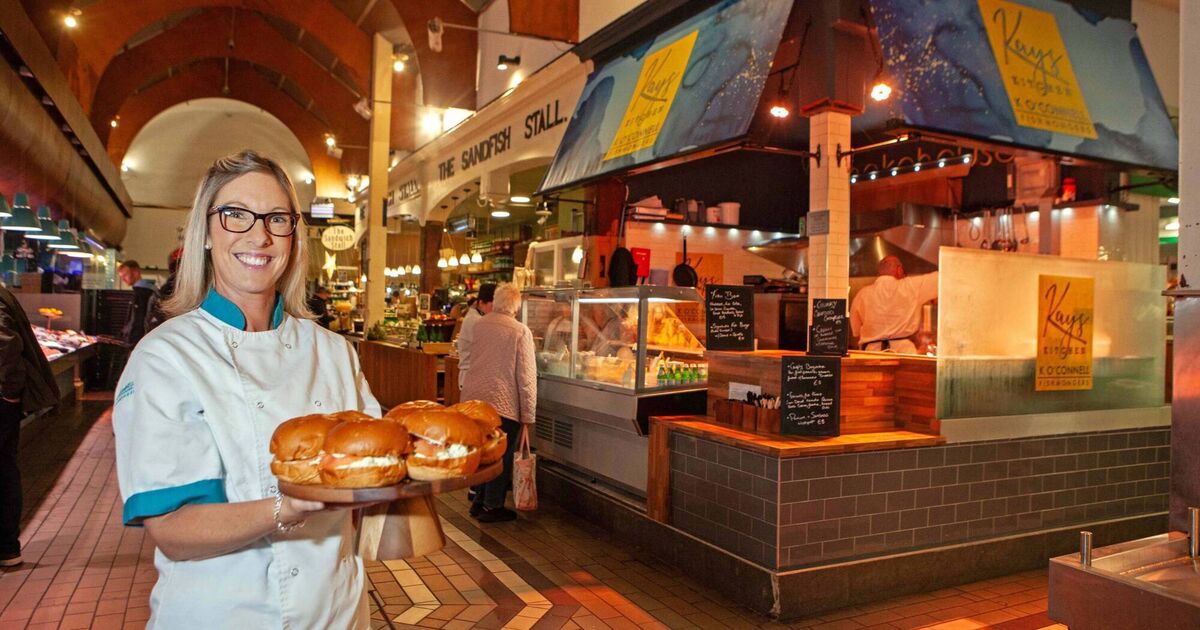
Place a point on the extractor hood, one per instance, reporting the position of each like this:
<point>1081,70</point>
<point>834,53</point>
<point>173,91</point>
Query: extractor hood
<point>910,232</point>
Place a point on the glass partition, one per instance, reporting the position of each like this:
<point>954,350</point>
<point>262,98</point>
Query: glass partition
<point>988,326</point>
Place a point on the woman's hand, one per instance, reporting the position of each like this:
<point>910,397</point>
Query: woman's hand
<point>292,510</point>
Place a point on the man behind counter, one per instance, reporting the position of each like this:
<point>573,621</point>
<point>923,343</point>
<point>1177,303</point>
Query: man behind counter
<point>885,314</point>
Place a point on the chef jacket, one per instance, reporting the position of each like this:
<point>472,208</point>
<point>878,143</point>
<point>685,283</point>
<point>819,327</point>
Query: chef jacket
<point>193,417</point>
<point>890,309</point>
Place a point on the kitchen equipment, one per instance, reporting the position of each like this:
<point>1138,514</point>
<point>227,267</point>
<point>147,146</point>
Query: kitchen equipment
<point>713,215</point>
<point>730,212</point>
<point>622,271</point>
<point>684,274</point>
<point>781,321</point>
<point>987,230</point>
<point>1025,224</point>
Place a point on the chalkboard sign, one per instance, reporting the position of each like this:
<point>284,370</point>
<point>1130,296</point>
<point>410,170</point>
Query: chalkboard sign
<point>811,396</point>
<point>830,330</point>
<point>729,317</point>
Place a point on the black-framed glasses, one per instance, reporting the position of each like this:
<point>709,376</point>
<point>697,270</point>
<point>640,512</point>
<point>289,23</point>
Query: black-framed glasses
<point>240,220</point>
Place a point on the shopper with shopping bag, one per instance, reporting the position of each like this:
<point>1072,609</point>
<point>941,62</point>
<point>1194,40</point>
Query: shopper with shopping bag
<point>524,474</point>
<point>503,372</point>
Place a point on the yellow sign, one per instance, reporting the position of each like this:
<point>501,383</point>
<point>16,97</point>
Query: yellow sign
<point>1065,318</point>
<point>1035,68</point>
<point>662,72</point>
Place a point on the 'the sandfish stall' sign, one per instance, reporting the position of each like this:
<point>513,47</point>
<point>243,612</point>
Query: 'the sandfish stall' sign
<point>1065,319</point>
<point>1035,68</point>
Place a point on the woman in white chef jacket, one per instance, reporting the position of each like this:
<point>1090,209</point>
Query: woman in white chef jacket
<point>197,404</point>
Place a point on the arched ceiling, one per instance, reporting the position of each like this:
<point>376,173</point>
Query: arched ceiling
<point>247,84</point>
<point>217,33</point>
<point>305,61</point>
<point>172,151</point>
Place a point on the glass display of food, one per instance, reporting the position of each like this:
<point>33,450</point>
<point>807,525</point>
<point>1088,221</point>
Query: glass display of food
<point>633,338</point>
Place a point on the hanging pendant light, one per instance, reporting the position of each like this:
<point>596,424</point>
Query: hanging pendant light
<point>84,251</point>
<point>49,231</point>
<point>451,261</point>
<point>442,264</point>
<point>5,209</point>
<point>416,270</point>
<point>476,258</point>
<point>67,241</point>
<point>23,218</point>
<point>464,259</point>
<point>400,271</point>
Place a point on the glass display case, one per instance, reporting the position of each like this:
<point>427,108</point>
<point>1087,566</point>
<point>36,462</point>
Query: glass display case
<point>632,339</point>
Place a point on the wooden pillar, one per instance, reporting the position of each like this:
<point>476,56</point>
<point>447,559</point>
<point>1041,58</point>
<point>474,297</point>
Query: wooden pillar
<point>377,170</point>
<point>828,192</point>
<point>431,240</point>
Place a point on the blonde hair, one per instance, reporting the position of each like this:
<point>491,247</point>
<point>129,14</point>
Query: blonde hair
<point>195,275</point>
<point>507,299</point>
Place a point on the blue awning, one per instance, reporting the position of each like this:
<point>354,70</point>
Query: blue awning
<point>693,86</point>
<point>1039,74</point>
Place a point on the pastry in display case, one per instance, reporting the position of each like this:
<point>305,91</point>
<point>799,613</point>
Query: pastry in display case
<point>631,338</point>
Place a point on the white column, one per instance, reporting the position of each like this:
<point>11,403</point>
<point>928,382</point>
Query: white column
<point>829,189</point>
<point>1189,143</point>
<point>377,159</point>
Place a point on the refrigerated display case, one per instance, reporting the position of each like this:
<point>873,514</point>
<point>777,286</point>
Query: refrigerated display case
<point>607,360</point>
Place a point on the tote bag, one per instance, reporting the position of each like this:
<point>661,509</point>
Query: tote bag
<point>524,474</point>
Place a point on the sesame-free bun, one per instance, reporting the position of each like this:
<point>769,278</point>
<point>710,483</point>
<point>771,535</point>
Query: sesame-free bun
<point>494,440</point>
<point>364,454</point>
<point>443,426</point>
<point>350,416</point>
<point>296,445</point>
<point>481,412</point>
<point>404,409</point>
<point>446,444</point>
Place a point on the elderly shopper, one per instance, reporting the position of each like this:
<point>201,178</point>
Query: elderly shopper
<point>503,372</point>
<point>196,407</point>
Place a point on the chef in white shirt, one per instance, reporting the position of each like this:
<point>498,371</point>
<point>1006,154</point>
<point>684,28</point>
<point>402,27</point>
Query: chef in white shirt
<point>887,313</point>
<point>466,336</point>
<point>196,407</point>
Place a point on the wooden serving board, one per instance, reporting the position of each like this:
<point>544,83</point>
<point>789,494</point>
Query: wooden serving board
<point>408,490</point>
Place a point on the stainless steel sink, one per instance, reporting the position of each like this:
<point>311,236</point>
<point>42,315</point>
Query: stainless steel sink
<point>1149,583</point>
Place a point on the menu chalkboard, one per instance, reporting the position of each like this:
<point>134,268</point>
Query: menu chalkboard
<point>830,330</point>
<point>729,317</point>
<point>811,396</point>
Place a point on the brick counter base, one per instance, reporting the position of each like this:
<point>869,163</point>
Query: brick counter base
<point>793,512</point>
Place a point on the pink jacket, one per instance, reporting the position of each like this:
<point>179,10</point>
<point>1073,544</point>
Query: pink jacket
<point>503,368</point>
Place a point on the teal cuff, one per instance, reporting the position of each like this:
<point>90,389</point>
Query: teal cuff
<point>153,503</point>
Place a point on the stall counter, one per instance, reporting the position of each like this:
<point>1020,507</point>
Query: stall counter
<point>398,374</point>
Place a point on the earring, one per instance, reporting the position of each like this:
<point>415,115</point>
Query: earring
<point>208,246</point>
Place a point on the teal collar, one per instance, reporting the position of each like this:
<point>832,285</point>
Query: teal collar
<point>220,307</point>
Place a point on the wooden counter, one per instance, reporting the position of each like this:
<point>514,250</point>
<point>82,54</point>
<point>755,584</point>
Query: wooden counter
<point>881,391</point>
<point>450,390</point>
<point>658,479</point>
<point>398,374</point>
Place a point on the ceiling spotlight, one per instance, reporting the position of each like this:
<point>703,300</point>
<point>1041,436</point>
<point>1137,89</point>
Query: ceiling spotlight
<point>871,175</point>
<point>966,159</point>
<point>916,168</point>
<point>1173,201</point>
<point>895,172</point>
<point>431,122</point>
<point>500,213</point>
<point>941,163</point>
<point>114,122</point>
<point>398,62</point>
<point>519,199</point>
<point>854,179</point>
<point>330,140</point>
<point>779,111</point>
<point>881,90</point>
<point>71,20</point>
<point>126,166</point>
<point>352,182</point>
<point>308,179</point>
<point>505,62</point>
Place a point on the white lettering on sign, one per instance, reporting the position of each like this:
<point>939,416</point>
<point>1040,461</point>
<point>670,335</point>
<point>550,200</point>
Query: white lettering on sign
<point>337,238</point>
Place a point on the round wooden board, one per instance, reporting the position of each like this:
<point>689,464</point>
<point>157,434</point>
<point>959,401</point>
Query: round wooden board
<point>408,490</point>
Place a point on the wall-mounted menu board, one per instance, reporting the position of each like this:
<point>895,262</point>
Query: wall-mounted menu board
<point>810,396</point>
<point>830,330</point>
<point>729,317</point>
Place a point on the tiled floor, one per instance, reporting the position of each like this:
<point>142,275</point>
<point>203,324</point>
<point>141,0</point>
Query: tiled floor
<point>546,570</point>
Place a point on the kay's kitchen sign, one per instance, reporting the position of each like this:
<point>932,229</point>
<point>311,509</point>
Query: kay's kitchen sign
<point>532,124</point>
<point>1065,318</point>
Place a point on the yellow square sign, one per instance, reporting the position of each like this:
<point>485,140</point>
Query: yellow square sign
<point>1065,317</point>
<point>1036,70</point>
<point>659,80</point>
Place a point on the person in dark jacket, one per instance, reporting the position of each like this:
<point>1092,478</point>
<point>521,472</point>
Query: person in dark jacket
<point>26,386</point>
<point>135,327</point>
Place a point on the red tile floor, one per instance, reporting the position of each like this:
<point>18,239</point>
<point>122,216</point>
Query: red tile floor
<point>546,570</point>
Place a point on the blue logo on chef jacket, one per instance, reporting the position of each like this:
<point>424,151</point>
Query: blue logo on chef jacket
<point>125,392</point>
